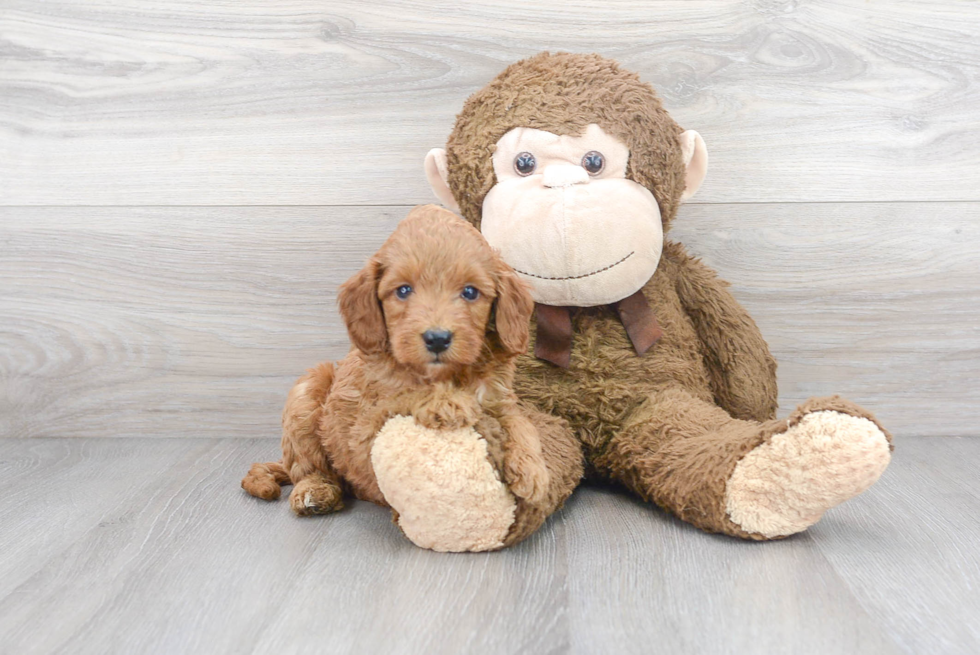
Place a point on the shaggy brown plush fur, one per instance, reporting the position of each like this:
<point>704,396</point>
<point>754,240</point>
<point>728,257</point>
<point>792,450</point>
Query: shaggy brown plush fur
<point>562,94</point>
<point>333,412</point>
<point>671,425</point>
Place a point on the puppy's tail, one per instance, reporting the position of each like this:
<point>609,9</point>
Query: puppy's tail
<point>264,480</point>
<point>300,419</point>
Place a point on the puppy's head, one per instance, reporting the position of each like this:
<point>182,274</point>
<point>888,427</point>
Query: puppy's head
<point>436,297</point>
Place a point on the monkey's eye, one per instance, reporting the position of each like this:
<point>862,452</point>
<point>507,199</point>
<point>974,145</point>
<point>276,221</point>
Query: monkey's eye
<point>403,292</point>
<point>524,164</point>
<point>470,293</point>
<point>593,162</point>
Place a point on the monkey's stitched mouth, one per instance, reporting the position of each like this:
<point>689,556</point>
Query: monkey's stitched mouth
<point>578,277</point>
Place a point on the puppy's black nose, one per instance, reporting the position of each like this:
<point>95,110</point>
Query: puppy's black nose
<point>436,341</point>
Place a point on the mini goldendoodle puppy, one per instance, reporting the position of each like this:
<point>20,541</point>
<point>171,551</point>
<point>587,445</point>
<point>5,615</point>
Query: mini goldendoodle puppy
<point>436,320</point>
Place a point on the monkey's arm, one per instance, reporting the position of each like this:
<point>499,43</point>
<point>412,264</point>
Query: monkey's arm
<point>741,369</point>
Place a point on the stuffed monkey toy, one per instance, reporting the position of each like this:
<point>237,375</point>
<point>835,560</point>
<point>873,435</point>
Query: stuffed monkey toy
<point>571,167</point>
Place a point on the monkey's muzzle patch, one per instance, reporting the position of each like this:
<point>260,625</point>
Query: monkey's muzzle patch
<point>583,244</point>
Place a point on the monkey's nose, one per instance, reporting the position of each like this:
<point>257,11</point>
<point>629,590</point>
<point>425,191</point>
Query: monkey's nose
<point>437,341</point>
<point>560,175</point>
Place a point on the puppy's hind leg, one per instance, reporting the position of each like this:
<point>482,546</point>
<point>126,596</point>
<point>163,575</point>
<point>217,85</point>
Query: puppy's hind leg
<point>264,480</point>
<point>316,486</point>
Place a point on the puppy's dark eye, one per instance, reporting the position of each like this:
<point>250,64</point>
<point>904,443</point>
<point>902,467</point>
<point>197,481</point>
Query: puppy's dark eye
<point>593,162</point>
<point>470,293</point>
<point>525,163</point>
<point>403,292</point>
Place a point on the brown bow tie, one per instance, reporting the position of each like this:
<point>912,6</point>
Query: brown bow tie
<point>554,338</point>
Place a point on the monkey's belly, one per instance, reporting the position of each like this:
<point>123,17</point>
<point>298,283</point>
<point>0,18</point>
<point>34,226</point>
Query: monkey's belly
<point>607,380</point>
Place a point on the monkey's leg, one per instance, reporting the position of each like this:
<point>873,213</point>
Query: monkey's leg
<point>743,478</point>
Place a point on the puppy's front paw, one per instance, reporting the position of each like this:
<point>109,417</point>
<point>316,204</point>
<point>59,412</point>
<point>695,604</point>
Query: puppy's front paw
<point>527,477</point>
<point>448,413</point>
<point>315,496</point>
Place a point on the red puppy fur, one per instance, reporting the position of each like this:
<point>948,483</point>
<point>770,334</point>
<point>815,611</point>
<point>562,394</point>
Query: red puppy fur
<point>434,275</point>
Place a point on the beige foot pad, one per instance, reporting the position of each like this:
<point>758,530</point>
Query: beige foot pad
<point>784,486</point>
<point>447,494</point>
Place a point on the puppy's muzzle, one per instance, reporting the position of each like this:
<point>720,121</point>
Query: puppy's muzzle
<point>437,341</point>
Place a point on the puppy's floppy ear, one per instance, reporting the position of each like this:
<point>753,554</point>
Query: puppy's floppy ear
<point>512,310</point>
<point>361,309</point>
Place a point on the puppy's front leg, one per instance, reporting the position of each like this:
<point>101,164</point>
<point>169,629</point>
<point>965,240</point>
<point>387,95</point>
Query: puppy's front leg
<point>448,408</point>
<point>524,467</point>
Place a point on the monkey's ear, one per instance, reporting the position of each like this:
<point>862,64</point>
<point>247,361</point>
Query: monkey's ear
<point>512,311</point>
<point>695,161</point>
<point>437,172</point>
<point>361,309</point>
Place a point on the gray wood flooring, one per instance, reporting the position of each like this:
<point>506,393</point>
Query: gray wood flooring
<point>149,546</point>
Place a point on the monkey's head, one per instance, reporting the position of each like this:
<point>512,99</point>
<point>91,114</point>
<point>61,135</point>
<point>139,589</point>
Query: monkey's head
<point>570,167</point>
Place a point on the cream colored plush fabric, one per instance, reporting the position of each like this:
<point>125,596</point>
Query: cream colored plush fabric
<point>545,223</point>
<point>695,155</point>
<point>784,486</point>
<point>549,149</point>
<point>436,173</point>
<point>448,496</point>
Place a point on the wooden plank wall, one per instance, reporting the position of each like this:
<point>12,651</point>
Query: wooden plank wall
<point>184,184</point>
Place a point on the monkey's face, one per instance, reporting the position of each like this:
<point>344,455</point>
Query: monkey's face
<point>565,216</point>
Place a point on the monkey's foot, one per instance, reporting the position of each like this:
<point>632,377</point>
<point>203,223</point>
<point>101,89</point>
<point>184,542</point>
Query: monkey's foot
<point>824,458</point>
<point>446,494</point>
